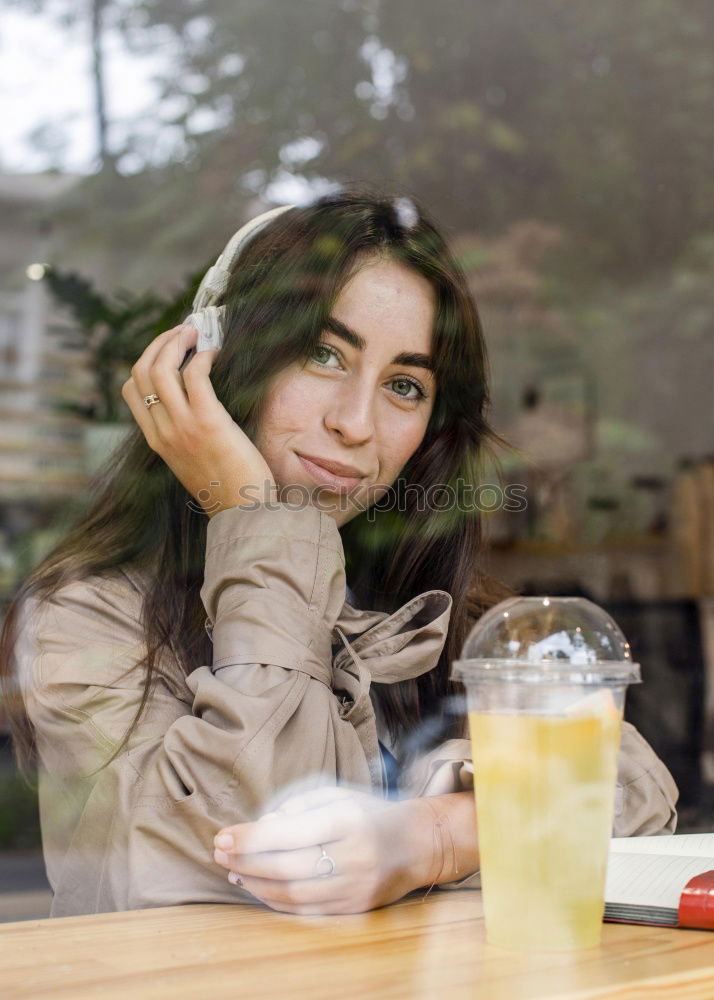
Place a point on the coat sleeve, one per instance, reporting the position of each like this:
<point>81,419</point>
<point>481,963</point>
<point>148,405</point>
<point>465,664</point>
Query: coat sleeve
<point>645,794</point>
<point>138,832</point>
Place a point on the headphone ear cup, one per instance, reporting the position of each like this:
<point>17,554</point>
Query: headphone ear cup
<point>209,323</point>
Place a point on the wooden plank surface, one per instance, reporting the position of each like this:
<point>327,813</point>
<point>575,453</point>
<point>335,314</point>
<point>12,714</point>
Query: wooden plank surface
<point>416,949</point>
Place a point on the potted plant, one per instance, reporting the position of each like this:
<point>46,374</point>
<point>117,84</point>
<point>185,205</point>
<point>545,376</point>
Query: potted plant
<point>112,331</point>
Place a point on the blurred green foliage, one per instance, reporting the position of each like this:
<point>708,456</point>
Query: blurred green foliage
<point>114,330</point>
<point>594,117</point>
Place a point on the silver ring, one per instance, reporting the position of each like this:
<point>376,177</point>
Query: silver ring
<point>324,860</point>
<point>151,399</point>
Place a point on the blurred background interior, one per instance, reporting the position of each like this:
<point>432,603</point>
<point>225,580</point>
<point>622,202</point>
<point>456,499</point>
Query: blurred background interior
<point>562,144</point>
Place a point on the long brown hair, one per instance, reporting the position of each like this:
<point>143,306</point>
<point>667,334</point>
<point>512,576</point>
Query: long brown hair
<point>278,300</point>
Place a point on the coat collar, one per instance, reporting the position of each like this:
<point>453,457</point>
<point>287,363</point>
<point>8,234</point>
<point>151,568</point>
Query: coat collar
<point>398,646</point>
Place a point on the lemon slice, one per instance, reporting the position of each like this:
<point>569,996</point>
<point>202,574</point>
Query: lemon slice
<point>599,703</point>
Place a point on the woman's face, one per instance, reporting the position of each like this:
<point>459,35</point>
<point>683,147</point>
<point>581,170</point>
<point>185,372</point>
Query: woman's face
<point>362,402</point>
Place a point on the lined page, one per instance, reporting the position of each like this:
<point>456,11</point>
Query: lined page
<point>692,845</point>
<point>651,879</point>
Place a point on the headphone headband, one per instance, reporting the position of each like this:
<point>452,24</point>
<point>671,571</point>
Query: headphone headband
<point>206,315</point>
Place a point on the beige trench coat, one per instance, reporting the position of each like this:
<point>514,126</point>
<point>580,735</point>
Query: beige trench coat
<point>287,696</point>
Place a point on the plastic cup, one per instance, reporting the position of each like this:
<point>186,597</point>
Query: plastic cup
<point>545,684</point>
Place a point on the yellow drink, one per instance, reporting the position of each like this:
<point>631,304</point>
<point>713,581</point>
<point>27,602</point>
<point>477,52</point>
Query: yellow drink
<point>545,789</point>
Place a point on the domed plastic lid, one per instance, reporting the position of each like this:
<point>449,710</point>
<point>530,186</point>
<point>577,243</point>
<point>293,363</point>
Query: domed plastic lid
<point>550,639</point>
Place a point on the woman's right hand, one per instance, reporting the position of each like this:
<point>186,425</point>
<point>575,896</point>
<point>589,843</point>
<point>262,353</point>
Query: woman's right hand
<point>191,430</point>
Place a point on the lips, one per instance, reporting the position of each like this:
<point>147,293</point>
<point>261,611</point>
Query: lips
<point>329,474</point>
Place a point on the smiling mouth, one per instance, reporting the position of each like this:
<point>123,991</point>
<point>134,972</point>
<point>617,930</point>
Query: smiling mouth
<point>326,478</point>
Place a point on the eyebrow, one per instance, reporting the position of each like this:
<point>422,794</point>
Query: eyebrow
<point>359,343</point>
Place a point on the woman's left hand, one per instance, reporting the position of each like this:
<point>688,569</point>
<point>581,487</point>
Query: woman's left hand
<point>378,849</point>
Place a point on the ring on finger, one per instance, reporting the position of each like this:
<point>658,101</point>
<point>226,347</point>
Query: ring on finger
<point>151,399</point>
<point>325,865</point>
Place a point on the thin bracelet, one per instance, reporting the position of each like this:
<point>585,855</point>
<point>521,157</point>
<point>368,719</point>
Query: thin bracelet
<point>439,822</point>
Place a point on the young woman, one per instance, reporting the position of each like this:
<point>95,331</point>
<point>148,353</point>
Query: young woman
<point>214,715</point>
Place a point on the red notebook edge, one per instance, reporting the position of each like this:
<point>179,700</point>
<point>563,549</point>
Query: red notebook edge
<point>696,904</point>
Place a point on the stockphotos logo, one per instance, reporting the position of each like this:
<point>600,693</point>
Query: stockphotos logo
<point>486,498</point>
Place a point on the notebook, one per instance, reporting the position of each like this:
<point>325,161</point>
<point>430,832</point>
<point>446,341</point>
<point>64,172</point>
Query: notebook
<point>666,880</point>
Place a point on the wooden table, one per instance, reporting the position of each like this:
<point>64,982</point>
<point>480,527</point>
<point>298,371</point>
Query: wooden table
<point>416,949</point>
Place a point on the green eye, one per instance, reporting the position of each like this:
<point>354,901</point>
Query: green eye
<point>410,385</point>
<point>326,354</point>
<point>322,354</point>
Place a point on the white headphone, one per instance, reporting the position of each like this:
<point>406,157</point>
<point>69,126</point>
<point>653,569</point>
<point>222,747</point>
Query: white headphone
<point>207,317</point>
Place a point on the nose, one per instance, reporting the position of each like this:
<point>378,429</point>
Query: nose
<point>350,414</point>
